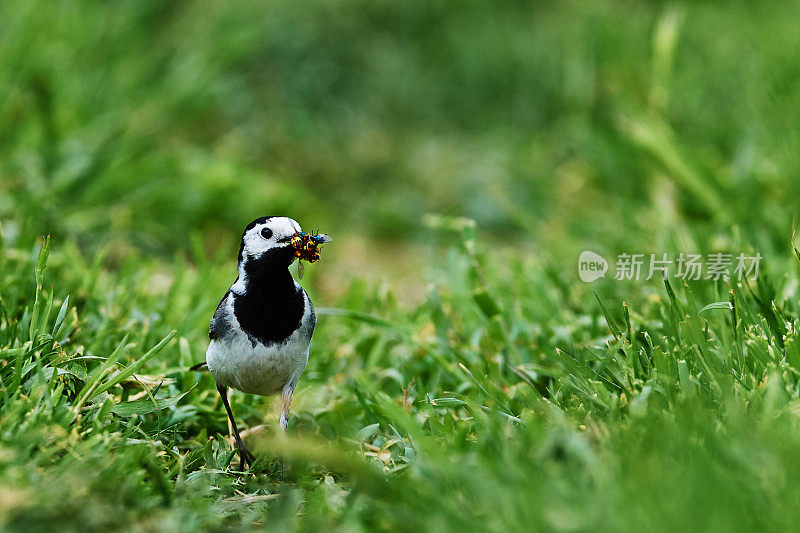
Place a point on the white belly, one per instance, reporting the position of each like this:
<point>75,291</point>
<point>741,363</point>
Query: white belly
<point>261,370</point>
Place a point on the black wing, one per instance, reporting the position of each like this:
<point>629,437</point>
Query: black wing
<point>313,319</point>
<point>219,322</point>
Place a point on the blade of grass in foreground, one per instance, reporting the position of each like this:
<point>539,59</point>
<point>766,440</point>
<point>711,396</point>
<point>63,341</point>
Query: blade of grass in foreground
<point>362,317</point>
<point>129,371</point>
<point>143,407</point>
<point>98,372</point>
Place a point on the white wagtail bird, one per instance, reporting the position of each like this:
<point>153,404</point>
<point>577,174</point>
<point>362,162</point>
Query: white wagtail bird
<point>262,327</point>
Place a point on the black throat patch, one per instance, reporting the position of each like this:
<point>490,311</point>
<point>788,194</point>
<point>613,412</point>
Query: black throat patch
<point>271,307</point>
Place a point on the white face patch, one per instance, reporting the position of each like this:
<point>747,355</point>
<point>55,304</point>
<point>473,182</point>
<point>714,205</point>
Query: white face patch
<point>257,240</point>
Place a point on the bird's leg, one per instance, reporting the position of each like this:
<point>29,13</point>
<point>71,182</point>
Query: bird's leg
<point>286,403</point>
<point>244,454</point>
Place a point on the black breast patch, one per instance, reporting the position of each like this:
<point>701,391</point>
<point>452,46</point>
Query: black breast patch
<point>269,318</point>
<point>272,306</point>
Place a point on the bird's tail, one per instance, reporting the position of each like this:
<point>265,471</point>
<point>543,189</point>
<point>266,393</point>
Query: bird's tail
<point>200,366</point>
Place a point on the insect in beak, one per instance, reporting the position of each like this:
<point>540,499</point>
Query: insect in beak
<point>321,238</point>
<point>306,247</point>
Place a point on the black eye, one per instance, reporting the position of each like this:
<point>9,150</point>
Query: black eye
<point>266,233</point>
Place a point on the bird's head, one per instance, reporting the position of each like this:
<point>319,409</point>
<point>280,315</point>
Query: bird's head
<point>277,241</point>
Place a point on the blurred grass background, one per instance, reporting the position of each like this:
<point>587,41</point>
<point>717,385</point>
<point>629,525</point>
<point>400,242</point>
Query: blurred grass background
<point>147,121</point>
<point>142,136</point>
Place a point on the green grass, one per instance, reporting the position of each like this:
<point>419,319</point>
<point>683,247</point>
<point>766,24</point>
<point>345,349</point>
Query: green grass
<point>503,400</point>
<point>489,388</point>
